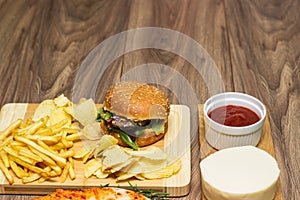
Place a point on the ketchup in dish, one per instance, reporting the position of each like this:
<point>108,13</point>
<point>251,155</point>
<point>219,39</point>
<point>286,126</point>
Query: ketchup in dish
<point>232,115</point>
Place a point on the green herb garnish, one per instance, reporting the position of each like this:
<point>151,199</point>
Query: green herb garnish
<point>101,114</point>
<point>149,193</point>
<point>125,138</point>
<point>98,119</point>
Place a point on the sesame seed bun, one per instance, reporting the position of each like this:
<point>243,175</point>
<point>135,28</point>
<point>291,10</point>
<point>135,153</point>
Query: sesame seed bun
<point>137,102</point>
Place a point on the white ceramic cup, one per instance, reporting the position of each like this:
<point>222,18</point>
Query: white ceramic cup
<point>220,136</point>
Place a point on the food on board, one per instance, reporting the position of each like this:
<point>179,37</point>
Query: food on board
<point>106,193</point>
<point>135,113</point>
<point>233,115</point>
<point>245,172</point>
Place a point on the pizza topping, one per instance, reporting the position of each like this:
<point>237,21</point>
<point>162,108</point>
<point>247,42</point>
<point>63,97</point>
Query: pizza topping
<point>106,193</point>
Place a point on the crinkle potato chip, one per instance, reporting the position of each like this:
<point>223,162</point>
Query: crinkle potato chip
<point>150,163</point>
<point>164,172</point>
<point>91,167</point>
<point>100,174</point>
<point>58,115</point>
<point>105,142</point>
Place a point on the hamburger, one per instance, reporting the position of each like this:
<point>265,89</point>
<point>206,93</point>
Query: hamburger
<point>134,113</point>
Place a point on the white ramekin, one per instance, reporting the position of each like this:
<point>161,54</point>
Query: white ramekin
<point>220,136</point>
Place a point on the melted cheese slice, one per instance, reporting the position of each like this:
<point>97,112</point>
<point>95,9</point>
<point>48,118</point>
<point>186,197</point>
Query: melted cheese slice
<point>247,173</point>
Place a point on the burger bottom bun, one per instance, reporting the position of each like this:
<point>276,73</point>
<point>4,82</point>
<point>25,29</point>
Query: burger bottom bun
<point>145,139</point>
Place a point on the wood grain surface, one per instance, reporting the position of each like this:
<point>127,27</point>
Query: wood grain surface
<point>254,44</point>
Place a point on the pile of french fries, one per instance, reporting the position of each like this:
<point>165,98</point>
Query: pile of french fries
<point>33,150</point>
<point>40,148</point>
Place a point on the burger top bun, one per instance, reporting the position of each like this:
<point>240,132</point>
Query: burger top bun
<point>137,101</point>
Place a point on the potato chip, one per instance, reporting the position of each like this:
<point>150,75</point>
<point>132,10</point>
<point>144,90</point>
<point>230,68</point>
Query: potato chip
<point>105,142</point>
<point>166,172</point>
<point>152,152</point>
<point>134,169</point>
<point>57,115</point>
<point>85,112</point>
<point>120,166</point>
<point>114,156</point>
<point>92,131</point>
<point>91,167</point>
<point>100,174</point>
<point>81,153</point>
<point>151,165</point>
<point>44,109</point>
<point>62,101</point>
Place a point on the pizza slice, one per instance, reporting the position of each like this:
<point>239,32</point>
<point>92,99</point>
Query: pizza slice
<point>106,193</point>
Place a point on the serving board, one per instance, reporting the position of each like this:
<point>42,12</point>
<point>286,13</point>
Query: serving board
<point>265,143</point>
<point>176,143</point>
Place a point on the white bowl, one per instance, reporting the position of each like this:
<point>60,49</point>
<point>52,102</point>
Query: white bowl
<point>220,136</point>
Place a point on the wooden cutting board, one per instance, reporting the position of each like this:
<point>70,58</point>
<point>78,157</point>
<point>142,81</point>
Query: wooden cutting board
<point>266,143</point>
<point>176,143</point>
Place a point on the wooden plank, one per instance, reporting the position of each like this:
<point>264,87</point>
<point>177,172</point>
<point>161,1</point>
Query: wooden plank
<point>176,143</point>
<point>266,143</point>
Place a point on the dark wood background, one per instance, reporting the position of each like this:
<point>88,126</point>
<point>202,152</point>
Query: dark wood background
<point>255,44</point>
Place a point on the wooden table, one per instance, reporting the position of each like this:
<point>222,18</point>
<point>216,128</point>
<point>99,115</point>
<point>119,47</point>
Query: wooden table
<point>254,46</point>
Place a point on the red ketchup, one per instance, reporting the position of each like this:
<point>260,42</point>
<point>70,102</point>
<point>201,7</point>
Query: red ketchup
<point>232,115</point>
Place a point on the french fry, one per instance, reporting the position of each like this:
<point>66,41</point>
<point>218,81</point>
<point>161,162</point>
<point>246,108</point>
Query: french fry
<point>6,132</point>
<point>72,174</point>
<point>29,166</point>
<point>63,138</point>
<point>56,169</point>
<point>47,139</point>
<point>30,154</point>
<point>6,173</point>
<point>65,173</point>
<point>4,158</point>
<point>7,140</point>
<point>59,125</point>
<point>45,132</point>
<point>45,146</point>
<point>60,161</point>
<point>73,137</point>
<point>16,143</point>
<point>39,148</point>
<point>31,178</point>
<point>30,128</point>
<point>42,179</point>
<point>67,154</point>
<point>34,127</point>
<point>15,154</point>
<point>70,130</point>
<point>19,172</point>
<point>60,146</point>
<point>45,158</point>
